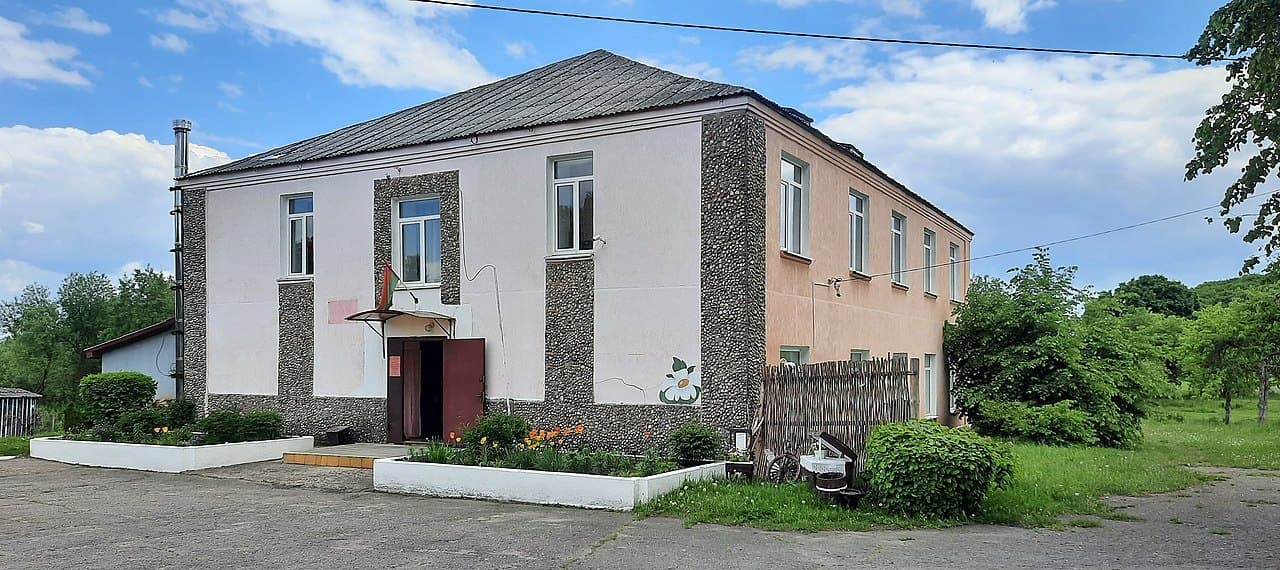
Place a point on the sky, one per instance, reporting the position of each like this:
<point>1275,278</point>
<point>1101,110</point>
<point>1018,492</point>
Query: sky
<point>1021,148</point>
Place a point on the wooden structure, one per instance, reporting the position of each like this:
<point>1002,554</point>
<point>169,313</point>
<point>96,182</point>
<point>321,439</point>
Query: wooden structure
<point>18,414</point>
<point>845,399</point>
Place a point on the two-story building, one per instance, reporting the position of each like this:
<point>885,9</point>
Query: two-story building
<point>595,241</point>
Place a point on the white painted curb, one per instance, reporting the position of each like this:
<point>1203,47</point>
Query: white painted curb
<point>525,486</point>
<point>164,458</point>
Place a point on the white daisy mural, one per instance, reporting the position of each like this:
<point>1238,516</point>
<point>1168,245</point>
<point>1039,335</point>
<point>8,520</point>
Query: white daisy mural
<point>683,385</point>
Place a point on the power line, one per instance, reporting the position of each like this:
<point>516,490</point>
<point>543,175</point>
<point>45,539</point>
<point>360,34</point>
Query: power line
<point>1053,243</point>
<point>716,28</point>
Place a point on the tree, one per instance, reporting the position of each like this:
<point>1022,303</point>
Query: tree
<point>1039,341</point>
<point>142,298</point>
<point>1223,346</point>
<point>1227,290</point>
<point>1158,294</point>
<point>34,354</point>
<point>1248,31</point>
<point>85,301</point>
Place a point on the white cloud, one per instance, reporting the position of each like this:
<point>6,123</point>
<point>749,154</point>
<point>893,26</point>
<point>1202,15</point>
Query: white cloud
<point>912,8</point>
<point>519,49</point>
<point>32,227</point>
<point>101,198</point>
<point>30,60</point>
<point>15,275</point>
<point>1027,149</point>
<point>143,81</point>
<point>230,89</point>
<point>75,19</point>
<point>1009,15</point>
<point>827,61</point>
<point>698,69</point>
<point>201,16</point>
<point>169,41</point>
<point>388,43</point>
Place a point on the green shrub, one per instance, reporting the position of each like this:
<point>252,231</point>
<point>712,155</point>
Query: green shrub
<point>921,468</point>
<point>694,442</point>
<point>105,396</point>
<point>145,420</point>
<point>233,426</point>
<point>182,412</point>
<point>1054,424</point>
<point>503,429</point>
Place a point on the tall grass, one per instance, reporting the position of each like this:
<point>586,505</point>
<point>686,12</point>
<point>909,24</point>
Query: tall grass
<point>1049,483</point>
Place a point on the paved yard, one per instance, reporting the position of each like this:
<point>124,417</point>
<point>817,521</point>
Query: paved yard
<point>59,516</point>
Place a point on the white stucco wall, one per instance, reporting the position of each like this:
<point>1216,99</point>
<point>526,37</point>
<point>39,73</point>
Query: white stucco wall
<point>152,356</point>
<point>647,299</point>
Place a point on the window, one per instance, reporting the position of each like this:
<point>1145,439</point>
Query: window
<point>953,262</point>
<point>898,356</point>
<point>793,206</point>
<point>930,388</point>
<point>930,260</point>
<point>573,202</point>
<point>300,236</point>
<point>859,354</point>
<point>857,232</point>
<point>418,240</point>
<point>899,227</point>
<point>795,354</point>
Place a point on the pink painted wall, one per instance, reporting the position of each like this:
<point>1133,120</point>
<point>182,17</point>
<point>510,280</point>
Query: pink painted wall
<point>870,314</point>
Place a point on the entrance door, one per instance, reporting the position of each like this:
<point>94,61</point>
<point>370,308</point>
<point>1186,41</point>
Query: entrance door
<point>463,383</point>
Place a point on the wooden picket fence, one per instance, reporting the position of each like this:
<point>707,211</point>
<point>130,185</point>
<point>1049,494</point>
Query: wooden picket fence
<point>846,399</point>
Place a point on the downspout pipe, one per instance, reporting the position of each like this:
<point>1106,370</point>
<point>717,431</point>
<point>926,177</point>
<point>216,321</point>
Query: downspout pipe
<point>181,128</point>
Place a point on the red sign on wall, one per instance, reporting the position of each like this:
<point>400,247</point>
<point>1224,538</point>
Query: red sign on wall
<point>393,366</point>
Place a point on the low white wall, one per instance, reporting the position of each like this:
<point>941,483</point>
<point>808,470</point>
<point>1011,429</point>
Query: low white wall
<point>164,458</point>
<point>543,487</point>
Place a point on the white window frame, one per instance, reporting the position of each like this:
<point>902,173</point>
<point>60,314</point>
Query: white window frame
<point>553,209</point>
<point>858,239</point>
<point>902,355</point>
<point>307,219</point>
<point>859,354</point>
<point>802,352</point>
<point>930,260</point>
<point>787,191</point>
<point>397,241</point>
<point>953,253</point>
<point>929,389</point>
<point>898,242</point>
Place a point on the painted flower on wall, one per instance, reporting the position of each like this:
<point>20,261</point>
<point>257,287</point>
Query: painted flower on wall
<point>683,384</point>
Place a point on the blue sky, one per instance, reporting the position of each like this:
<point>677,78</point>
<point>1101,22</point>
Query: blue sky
<point>1021,148</point>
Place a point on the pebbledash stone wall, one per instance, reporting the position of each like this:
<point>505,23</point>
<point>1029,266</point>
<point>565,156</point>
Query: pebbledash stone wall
<point>443,185</point>
<point>733,316</point>
<point>194,295</point>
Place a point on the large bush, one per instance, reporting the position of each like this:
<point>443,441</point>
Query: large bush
<point>502,429</point>
<point>104,397</point>
<point>232,426</point>
<point>1039,340</point>
<point>921,468</point>
<point>694,442</point>
<point>1054,424</point>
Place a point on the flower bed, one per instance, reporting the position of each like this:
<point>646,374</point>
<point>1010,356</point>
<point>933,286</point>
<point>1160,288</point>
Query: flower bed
<point>399,475</point>
<point>164,458</point>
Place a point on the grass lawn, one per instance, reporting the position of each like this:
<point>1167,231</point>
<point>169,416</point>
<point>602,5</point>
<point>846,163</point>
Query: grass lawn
<point>14,445</point>
<point>1050,482</point>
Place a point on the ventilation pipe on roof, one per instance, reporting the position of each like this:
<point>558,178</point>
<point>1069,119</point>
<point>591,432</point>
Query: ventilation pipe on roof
<point>181,127</point>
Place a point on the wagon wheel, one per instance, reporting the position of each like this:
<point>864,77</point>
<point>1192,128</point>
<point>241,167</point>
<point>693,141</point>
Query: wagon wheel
<point>783,469</point>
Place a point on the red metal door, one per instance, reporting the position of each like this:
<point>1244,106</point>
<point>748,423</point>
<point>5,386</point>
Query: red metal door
<point>463,383</point>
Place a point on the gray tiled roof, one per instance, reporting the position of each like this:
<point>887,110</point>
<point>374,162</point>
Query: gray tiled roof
<point>17,393</point>
<point>593,84</point>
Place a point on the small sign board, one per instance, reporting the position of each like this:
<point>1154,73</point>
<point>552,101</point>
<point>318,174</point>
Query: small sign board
<point>393,366</point>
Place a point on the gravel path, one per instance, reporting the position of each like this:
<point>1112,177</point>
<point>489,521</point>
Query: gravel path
<point>287,516</point>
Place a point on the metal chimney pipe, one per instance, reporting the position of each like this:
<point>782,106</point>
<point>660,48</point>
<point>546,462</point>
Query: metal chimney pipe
<point>181,127</point>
